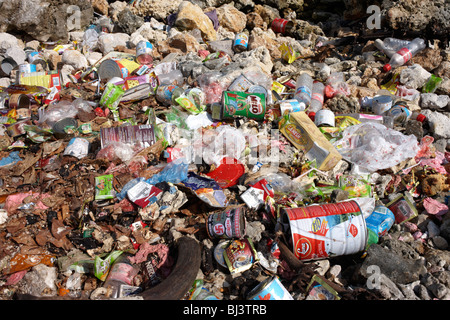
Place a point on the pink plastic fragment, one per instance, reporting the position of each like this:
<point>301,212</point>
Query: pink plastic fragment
<point>434,207</point>
<point>162,250</point>
<point>15,277</point>
<point>14,201</point>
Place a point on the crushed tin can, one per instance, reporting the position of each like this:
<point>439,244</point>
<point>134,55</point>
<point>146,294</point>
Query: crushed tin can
<point>270,289</point>
<point>240,255</point>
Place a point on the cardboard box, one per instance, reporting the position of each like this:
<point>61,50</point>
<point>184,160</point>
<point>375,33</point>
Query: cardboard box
<point>301,131</point>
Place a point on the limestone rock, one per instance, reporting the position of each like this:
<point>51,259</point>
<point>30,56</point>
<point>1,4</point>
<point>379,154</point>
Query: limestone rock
<point>45,20</point>
<point>439,124</point>
<point>74,58</point>
<point>259,38</point>
<point>231,18</point>
<point>156,8</point>
<point>128,21</point>
<point>414,76</point>
<point>191,16</point>
<point>254,20</point>
<point>108,41</point>
<point>101,6</point>
<point>180,43</point>
<point>434,101</point>
<point>7,41</point>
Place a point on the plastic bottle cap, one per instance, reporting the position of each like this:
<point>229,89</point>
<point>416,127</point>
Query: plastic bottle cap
<point>421,117</point>
<point>312,115</point>
<point>387,67</point>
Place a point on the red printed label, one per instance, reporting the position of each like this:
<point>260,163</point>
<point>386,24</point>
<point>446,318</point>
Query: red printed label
<point>406,54</point>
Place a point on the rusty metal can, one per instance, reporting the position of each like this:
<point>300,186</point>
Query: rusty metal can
<point>282,26</point>
<point>326,230</point>
<point>19,101</point>
<point>228,224</point>
<point>270,289</point>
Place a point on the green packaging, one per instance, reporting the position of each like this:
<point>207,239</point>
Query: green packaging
<point>104,187</point>
<point>111,96</point>
<point>357,186</point>
<point>102,266</point>
<point>431,84</point>
<point>241,104</point>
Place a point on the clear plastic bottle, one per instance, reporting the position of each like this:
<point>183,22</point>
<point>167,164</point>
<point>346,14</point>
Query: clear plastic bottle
<point>303,89</point>
<point>390,45</point>
<point>417,116</point>
<point>318,90</point>
<point>405,54</point>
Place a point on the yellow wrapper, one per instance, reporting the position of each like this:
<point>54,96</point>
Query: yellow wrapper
<point>288,53</point>
<point>392,84</point>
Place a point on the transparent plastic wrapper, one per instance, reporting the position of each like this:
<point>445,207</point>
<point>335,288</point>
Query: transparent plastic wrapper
<point>56,112</point>
<point>116,150</point>
<point>372,146</point>
<point>225,141</point>
<point>213,85</point>
<point>407,93</point>
<point>336,85</point>
<point>90,39</point>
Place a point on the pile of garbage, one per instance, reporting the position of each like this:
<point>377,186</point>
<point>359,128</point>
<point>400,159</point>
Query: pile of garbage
<point>226,152</point>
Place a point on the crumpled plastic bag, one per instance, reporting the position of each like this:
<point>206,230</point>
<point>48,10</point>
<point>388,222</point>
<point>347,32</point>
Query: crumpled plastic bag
<point>225,141</point>
<point>373,146</point>
<point>174,172</point>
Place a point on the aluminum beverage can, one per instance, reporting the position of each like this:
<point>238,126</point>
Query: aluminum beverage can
<point>280,25</point>
<point>270,289</point>
<point>228,224</point>
<point>326,230</point>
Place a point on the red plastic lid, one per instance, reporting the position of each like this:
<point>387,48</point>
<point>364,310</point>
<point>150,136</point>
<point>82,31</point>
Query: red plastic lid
<point>227,173</point>
<point>387,67</point>
<point>312,115</point>
<point>421,117</point>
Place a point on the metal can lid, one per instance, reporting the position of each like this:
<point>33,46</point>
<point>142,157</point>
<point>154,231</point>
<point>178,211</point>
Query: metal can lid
<point>257,89</point>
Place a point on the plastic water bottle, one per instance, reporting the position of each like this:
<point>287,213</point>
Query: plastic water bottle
<point>390,45</point>
<point>318,90</point>
<point>405,54</point>
<point>303,89</point>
